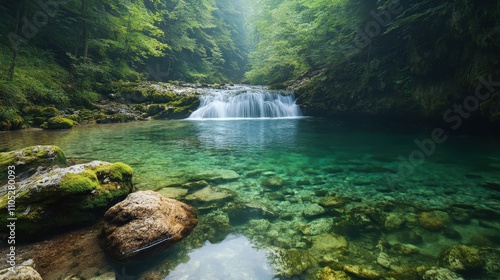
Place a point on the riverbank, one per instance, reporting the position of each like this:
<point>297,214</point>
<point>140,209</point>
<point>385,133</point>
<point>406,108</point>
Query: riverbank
<point>127,102</point>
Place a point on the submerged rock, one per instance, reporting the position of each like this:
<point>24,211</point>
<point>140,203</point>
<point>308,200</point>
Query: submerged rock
<point>329,274</point>
<point>436,220</point>
<point>174,193</point>
<point>208,194</point>
<point>61,197</point>
<point>440,273</point>
<point>30,159</point>
<point>393,221</point>
<point>217,175</point>
<point>331,201</point>
<point>21,272</point>
<point>312,210</point>
<point>289,263</point>
<point>362,272</point>
<point>195,185</point>
<point>461,258</point>
<point>385,260</point>
<point>145,223</point>
<point>273,182</point>
<point>329,242</point>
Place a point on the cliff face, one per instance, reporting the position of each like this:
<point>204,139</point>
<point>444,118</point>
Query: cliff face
<point>424,62</point>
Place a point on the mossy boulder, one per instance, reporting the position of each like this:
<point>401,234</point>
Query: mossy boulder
<point>58,198</point>
<point>49,112</point>
<point>60,123</point>
<point>30,158</point>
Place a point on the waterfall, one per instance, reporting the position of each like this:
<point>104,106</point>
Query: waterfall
<point>246,103</point>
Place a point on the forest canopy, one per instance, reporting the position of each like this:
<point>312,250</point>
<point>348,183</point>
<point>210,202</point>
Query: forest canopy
<point>75,51</point>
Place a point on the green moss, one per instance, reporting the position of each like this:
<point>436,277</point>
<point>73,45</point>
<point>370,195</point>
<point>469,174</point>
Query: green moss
<point>84,182</point>
<point>60,123</point>
<point>49,112</point>
<point>31,157</point>
<point>116,172</point>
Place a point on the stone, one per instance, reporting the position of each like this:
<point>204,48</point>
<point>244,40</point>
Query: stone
<point>216,175</point>
<point>434,221</point>
<point>440,273</point>
<point>259,225</point>
<point>273,182</point>
<point>461,258</point>
<point>208,194</point>
<point>289,263</point>
<point>174,193</point>
<point>405,249</point>
<point>393,221</point>
<point>21,272</point>
<point>329,242</point>
<point>57,198</point>
<point>312,210</point>
<point>362,272</point>
<point>328,274</point>
<point>145,223</point>
<point>60,123</point>
<point>30,159</point>
<point>492,261</point>
<point>331,201</point>
<point>384,260</point>
<point>276,196</point>
<point>195,185</point>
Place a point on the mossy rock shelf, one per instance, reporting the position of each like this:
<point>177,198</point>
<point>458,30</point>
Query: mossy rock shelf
<point>57,198</point>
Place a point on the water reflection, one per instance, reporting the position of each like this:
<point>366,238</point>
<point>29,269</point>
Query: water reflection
<point>254,133</point>
<point>233,258</point>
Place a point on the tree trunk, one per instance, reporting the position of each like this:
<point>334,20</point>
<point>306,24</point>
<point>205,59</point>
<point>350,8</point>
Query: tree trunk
<point>83,35</point>
<point>15,48</point>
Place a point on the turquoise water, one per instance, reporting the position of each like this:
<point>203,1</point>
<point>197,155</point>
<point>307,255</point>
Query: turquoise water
<point>285,167</point>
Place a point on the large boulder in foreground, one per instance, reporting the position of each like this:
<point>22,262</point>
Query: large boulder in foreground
<point>30,158</point>
<point>145,223</point>
<point>56,198</point>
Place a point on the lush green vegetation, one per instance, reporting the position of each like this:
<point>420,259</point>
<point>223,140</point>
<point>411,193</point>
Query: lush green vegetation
<point>341,56</point>
<point>404,58</point>
<point>71,53</point>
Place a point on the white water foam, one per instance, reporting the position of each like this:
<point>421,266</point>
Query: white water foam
<point>245,104</point>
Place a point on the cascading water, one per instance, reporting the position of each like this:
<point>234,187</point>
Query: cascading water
<point>246,102</point>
